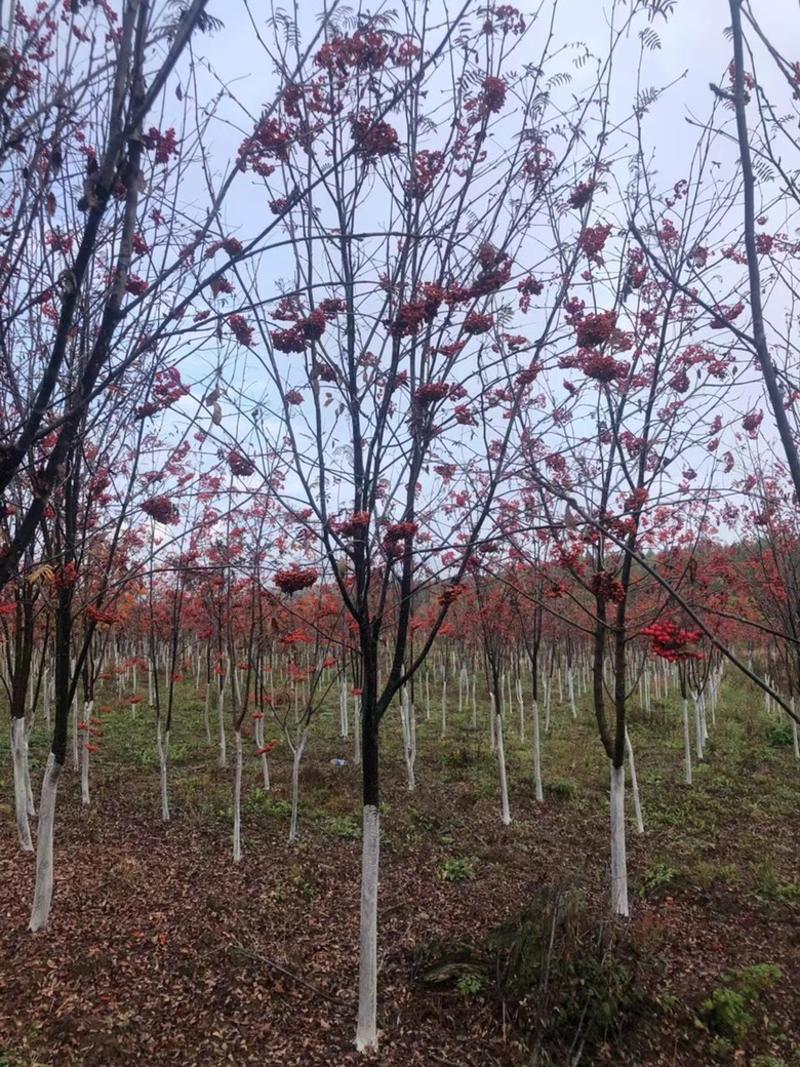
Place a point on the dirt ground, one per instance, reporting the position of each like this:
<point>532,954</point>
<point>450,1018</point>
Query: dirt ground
<point>162,951</point>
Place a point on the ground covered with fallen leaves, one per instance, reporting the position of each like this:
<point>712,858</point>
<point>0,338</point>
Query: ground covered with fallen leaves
<point>161,950</point>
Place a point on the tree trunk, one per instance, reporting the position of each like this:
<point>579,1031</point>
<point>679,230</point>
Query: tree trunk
<point>19,755</point>
<point>619,866</point>
<point>43,893</point>
<point>367,1033</point>
<point>223,748</point>
<point>87,714</point>
<point>637,804</point>
<point>537,754</point>
<point>163,756</point>
<point>367,1028</point>
<point>297,755</point>
<point>505,813</point>
<point>237,801</point>
<point>409,724</point>
<point>698,727</point>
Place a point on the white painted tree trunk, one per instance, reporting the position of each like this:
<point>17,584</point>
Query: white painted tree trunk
<point>367,1029</point>
<point>223,745</point>
<point>537,754</point>
<point>19,757</point>
<point>206,716</point>
<point>76,751</point>
<point>237,800</point>
<point>571,690</point>
<point>505,814</point>
<point>703,717</point>
<point>27,769</point>
<point>87,713</point>
<point>687,745</point>
<point>43,892</point>
<point>444,706</point>
<point>619,865</point>
<point>297,755</point>
<point>698,727</point>
<point>637,804</point>
<point>408,719</point>
<point>263,757</point>
<point>357,731</point>
<point>163,756</point>
<point>343,721</point>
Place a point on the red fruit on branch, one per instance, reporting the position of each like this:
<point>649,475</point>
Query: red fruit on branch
<point>161,509</point>
<point>475,323</point>
<point>293,579</point>
<point>242,466</point>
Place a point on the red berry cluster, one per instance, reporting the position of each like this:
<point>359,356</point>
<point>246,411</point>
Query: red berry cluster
<point>355,526</point>
<point>592,241</point>
<point>426,167</point>
<point>397,538</point>
<point>582,194</point>
<point>495,271</point>
<point>161,509</point>
<point>606,587</point>
<point>597,366</point>
<point>241,330</point>
<point>671,642</point>
<point>726,314</point>
<point>364,50</point>
<point>293,579</point>
<point>596,329</point>
<point>475,323</point>
<point>167,389</point>
<point>242,466</point>
<point>430,392</point>
<point>751,423</point>
<point>306,327</point>
<point>493,94</point>
<point>270,140</point>
<point>373,138</point>
<point>163,144</point>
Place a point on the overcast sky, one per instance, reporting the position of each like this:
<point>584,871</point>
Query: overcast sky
<point>694,51</point>
<point>692,39</point>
